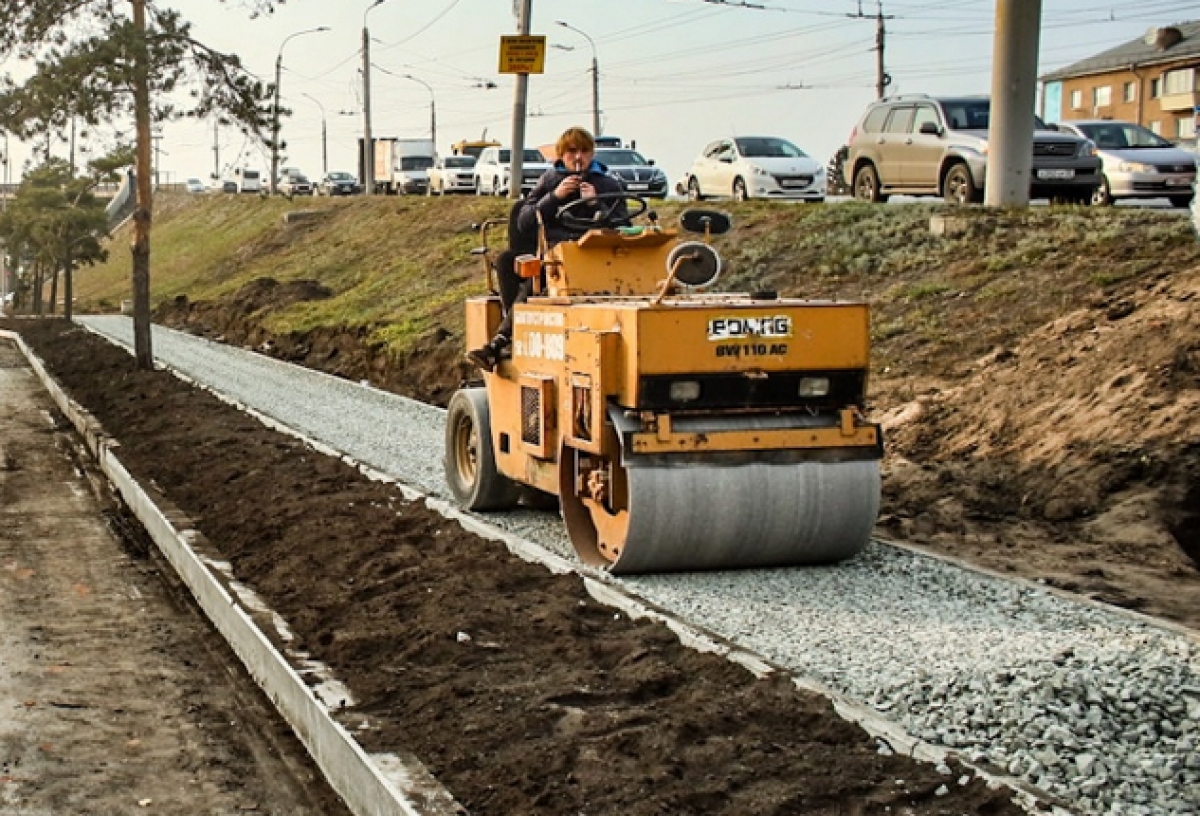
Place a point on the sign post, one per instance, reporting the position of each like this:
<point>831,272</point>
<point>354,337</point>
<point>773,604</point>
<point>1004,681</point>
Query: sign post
<point>521,55</point>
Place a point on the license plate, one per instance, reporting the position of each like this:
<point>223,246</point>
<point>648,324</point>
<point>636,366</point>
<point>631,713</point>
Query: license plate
<point>793,183</point>
<point>632,186</point>
<point>1056,174</point>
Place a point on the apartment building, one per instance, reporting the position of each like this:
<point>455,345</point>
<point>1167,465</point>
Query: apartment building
<point>1153,80</point>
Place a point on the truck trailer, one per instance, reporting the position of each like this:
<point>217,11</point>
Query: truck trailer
<point>402,165</point>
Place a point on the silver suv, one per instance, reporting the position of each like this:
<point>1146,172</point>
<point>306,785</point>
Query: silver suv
<point>922,145</point>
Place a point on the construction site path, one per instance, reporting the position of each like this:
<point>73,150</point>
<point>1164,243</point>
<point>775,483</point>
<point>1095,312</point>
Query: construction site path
<point>115,695</point>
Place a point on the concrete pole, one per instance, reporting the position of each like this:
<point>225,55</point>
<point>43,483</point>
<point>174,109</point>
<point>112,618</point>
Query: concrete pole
<point>595,93</point>
<point>368,144</point>
<point>4,247</point>
<point>520,103</point>
<point>1014,89</point>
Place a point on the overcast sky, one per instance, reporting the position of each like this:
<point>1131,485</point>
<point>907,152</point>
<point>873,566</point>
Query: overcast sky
<point>674,74</point>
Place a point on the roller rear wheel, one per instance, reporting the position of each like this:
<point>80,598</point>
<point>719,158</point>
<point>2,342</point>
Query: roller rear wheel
<point>470,461</point>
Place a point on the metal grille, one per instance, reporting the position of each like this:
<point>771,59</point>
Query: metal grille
<point>1054,148</point>
<point>531,416</point>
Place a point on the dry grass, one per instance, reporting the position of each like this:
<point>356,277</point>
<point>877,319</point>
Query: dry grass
<point>400,267</point>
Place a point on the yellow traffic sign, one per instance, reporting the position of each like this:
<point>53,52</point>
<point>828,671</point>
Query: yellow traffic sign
<point>522,55</point>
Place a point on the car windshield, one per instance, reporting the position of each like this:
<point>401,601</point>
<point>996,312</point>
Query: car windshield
<point>459,161</point>
<point>530,156</point>
<point>621,158</point>
<point>1117,135</point>
<point>416,162</point>
<point>341,177</point>
<point>768,148</point>
<point>968,115</point>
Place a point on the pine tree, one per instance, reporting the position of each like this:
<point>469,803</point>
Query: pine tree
<point>109,60</point>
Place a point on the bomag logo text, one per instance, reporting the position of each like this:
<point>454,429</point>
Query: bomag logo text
<point>737,328</point>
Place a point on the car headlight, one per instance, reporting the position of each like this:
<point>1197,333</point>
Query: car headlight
<point>758,171</point>
<point>1088,148</point>
<point>1136,167</point>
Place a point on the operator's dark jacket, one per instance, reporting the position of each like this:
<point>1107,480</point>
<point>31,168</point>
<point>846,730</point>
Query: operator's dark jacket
<point>542,199</point>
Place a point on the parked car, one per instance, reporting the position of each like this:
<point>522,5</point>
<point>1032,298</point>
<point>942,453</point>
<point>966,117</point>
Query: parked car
<point>491,171</point>
<point>638,174</point>
<point>924,145</point>
<point>194,185</point>
<point>338,183</point>
<point>755,167</point>
<point>1137,163</point>
<point>452,174</point>
<point>293,183</point>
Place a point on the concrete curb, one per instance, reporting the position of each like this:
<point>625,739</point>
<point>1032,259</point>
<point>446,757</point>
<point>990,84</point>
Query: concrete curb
<point>407,790</point>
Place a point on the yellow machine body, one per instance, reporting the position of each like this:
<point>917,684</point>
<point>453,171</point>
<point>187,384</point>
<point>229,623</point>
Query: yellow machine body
<point>683,430</point>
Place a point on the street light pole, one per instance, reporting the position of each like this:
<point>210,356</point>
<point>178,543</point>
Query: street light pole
<point>324,136</point>
<point>432,110</point>
<point>595,76</point>
<point>272,181</point>
<point>368,145</point>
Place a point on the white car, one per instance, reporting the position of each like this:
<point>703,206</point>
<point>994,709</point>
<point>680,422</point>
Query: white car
<point>194,185</point>
<point>492,170</point>
<point>755,167</point>
<point>452,174</point>
<point>1136,162</point>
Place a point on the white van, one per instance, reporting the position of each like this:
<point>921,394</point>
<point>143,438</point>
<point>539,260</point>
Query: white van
<point>248,181</point>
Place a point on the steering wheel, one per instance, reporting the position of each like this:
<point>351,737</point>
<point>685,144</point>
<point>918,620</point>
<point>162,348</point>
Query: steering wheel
<point>605,214</point>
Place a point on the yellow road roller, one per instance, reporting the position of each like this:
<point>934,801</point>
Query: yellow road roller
<point>679,428</point>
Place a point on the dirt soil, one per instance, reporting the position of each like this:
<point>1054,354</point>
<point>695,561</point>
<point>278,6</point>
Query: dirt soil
<point>520,693</point>
<point>117,694</point>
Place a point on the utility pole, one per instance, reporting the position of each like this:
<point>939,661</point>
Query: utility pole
<point>595,76</point>
<point>216,174</point>
<point>520,104</point>
<point>324,135</point>
<point>1014,83</point>
<point>368,145</point>
<point>4,248</point>
<point>157,137</point>
<point>882,79</point>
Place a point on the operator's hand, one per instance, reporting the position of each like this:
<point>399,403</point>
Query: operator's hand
<point>587,190</point>
<point>569,186</point>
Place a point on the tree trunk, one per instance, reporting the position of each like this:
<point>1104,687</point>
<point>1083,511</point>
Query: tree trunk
<point>38,293</point>
<point>67,286</point>
<point>53,304</point>
<point>143,209</point>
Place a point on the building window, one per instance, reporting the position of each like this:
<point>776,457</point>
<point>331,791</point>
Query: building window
<point>1185,128</point>
<point>1179,82</point>
<point>1076,100</point>
<point>1130,92</point>
<point>1155,88</point>
<point>1102,97</point>
<point>1155,127</point>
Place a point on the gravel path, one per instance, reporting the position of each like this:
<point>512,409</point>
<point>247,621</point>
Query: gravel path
<point>1092,706</point>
